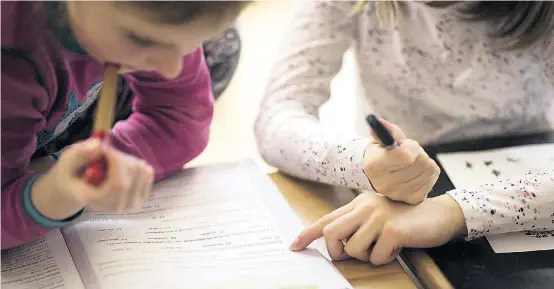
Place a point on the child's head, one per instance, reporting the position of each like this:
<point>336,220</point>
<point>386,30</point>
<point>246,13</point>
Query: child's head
<point>144,35</point>
<point>513,24</point>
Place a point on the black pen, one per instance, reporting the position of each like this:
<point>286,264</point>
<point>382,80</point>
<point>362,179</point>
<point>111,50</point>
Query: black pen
<point>385,137</point>
<point>382,133</point>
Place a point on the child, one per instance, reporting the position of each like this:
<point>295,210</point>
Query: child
<point>53,56</point>
<point>446,71</point>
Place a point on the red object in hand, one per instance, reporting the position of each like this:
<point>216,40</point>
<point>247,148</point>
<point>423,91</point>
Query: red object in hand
<point>96,171</point>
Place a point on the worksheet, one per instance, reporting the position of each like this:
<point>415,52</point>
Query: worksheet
<point>220,226</point>
<point>42,264</point>
<point>470,169</point>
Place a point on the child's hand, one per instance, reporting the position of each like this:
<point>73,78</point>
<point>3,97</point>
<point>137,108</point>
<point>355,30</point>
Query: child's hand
<point>405,173</point>
<point>127,183</point>
<point>373,218</point>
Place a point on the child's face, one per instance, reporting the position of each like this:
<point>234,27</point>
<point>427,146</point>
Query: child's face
<point>124,35</point>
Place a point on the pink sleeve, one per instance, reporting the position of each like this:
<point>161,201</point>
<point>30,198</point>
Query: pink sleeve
<point>23,104</point>
<point>170,122</point>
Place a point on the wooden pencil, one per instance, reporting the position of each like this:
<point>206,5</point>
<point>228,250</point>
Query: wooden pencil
<point>103,121</point>
<point>106,104</point>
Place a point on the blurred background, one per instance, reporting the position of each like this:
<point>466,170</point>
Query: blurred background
<point>262,28</point>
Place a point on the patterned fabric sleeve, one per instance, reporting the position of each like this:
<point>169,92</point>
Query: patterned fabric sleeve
<point>521,204</point>
<point>287,130</point>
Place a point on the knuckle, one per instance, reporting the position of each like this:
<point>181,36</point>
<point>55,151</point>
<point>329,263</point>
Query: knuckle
<point>422,194</point>
<point>393,232</point>
<point>418,196</point>
<point>435,178</point>
<point>355,252</point>
<point>363,197</point>
<point>326,219</point>
<point>436,168</point>
<point>408,159</point>
<point>410,143</point>
<point>327,232</point>
<point>149,171</point>
<point>379,217</point>
<point>335,256</point>
<point>422,151</point>
<point>350,251</point>
<point>366,208</point>
<point>147,166</point>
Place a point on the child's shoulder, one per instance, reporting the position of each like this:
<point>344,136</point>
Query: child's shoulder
<point>22,23</point>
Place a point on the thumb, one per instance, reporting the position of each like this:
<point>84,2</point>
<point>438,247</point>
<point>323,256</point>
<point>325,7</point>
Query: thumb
<point>81,154</point>
<point>395,131</point>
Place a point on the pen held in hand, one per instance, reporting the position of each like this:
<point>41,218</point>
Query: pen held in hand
<point>381,132</point>
<point>95,172</point>
<point>385,137</point>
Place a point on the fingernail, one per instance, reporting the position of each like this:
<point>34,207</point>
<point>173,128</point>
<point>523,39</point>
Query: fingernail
<point>294,245</point>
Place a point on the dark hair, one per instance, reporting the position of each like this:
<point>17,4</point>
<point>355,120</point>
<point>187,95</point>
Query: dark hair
<point>514,24</point>
<point>182,12</point>
<point>166,12</point>
<point>173,13</point>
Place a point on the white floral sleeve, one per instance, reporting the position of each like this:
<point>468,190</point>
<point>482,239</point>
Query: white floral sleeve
<point>520,204</point>
<point>288,131</point>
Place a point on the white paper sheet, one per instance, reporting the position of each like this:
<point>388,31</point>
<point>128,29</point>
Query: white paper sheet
<point>42,264</point>
<point>470,169</point>
<point>224,226</point>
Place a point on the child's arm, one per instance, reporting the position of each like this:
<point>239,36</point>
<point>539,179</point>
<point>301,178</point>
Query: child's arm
<point>170,122</point>
<point>24,103</point>
<point>288,132</point>
<point>520,204</point>
<point>525,203</point>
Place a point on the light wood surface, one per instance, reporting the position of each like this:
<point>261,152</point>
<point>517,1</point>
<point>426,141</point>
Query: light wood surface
<point>310,202</point>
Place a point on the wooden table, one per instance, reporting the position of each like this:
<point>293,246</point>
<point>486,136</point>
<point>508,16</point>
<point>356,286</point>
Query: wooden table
<point>311,201</point>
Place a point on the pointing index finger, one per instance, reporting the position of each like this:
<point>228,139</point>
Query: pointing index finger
<point>315,230</point>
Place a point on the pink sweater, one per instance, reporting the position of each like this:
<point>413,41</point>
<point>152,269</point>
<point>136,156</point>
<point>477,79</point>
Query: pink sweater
<point>46,86</point>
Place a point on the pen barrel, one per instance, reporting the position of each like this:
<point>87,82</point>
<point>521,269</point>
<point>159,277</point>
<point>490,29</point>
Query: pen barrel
<point>95,172</point>
<point>381,132</point>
